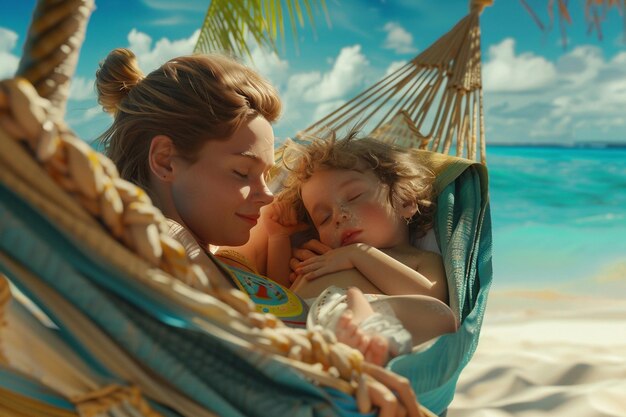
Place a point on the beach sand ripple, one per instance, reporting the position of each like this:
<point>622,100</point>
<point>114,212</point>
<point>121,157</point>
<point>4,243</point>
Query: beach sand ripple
<point>547,355</point>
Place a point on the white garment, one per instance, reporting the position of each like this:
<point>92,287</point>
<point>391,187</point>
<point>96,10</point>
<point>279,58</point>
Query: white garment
<point>326,309</point>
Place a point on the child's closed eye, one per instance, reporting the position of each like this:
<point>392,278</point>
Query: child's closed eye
<point>322,220</point>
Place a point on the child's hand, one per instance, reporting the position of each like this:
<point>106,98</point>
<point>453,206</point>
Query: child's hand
<point>279,219</point>
<point>332,261</point>
<point>309,249</point>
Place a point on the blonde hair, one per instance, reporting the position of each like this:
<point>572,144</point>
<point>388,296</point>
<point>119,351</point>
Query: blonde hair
<point>408,181</point>
<point>190,99</point>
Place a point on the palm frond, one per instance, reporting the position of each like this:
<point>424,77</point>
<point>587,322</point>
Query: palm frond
<point>595,13</point>
<point>229,25</point>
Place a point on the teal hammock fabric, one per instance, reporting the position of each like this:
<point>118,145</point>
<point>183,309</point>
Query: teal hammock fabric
<point>220,375</point>
<point>463,230</point>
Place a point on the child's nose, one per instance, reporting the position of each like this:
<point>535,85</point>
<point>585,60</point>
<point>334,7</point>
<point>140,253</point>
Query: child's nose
<point>342,216</point>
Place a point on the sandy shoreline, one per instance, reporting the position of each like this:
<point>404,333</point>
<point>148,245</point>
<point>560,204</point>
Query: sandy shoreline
<point>547,354</point>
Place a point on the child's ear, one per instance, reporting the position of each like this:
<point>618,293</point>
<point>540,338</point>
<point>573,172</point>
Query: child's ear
<point>160,156</point>
<point>408,210</point>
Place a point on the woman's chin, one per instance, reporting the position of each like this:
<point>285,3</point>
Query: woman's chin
<point>239,240</point>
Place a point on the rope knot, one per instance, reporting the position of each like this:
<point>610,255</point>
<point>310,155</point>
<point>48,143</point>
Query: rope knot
<point>477,6</point>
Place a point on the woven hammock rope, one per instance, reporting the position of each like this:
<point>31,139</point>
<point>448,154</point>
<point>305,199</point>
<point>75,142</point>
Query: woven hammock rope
<point>433,102</point>
<point>92,181</point>
<point>51,49</point>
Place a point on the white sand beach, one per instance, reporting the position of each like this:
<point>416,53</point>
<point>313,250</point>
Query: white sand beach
<point>547,354</point>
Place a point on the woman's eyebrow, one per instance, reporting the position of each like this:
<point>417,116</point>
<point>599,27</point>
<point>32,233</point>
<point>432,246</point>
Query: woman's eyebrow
<point>252,156</point>
<point>248,154</point>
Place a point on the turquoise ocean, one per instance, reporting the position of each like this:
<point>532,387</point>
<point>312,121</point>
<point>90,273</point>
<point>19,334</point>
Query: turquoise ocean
<point>559,218</point>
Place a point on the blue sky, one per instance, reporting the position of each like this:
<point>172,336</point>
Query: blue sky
<point>535,90</point>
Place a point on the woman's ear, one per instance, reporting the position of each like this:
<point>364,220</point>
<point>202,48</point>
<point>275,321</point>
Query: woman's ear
<point>408,210</point>
<point>160,157</point>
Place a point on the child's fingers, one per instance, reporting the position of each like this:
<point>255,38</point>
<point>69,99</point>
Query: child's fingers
<point>315,271</point>
<point>294,263</point>
<point>310,269</point>
<point>307,263</point>
<point>316,246</point>
<point>302,254</point>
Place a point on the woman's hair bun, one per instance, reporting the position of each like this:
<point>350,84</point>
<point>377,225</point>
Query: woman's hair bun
<point>117,75</point>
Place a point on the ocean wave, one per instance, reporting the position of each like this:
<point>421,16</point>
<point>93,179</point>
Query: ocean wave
<point>601,218</point>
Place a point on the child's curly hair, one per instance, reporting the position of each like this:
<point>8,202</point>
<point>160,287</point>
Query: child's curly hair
<point>409,182</point>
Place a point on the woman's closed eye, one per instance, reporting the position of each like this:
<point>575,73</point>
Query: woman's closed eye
<point>240,174</point>
<point>354,197</point>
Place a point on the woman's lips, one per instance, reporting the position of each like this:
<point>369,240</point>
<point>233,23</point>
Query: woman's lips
<point>349,236</point>
<point>252,219</point>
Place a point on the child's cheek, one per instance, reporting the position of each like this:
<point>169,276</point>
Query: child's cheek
<point>329,237</point>
<point>365,214</point>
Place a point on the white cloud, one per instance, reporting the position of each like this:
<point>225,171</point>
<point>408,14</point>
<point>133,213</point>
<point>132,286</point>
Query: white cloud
<point>619,59</point>
<point>82,89</point>
<point>620,40</point>
<point>581,99</point>
<point>394,66</point>
<point>398,39</point>
<point>171,21</point>
<point>168,5</point>
<point>307,96</point>
<point>268,64</point>
<point>506,71</point>
<point>581,65</point>
<point>324,109</point>
<point>8,40</point>
<point>551,128</point>
<point>150,58</point>
<point>346,74</point>
<point>300,83</point>
<point>92,112</point>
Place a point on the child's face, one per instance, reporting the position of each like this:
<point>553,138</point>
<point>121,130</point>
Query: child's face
<point>219,196</point>
<point>352,207</point>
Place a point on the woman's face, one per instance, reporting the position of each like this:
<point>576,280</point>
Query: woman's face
<point>218,197</point>
<point>349,206</point>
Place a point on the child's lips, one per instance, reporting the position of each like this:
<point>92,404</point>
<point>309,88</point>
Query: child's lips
<point>349,237</point>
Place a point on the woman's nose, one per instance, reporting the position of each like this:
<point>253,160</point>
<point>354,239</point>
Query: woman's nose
<point>264,194</point>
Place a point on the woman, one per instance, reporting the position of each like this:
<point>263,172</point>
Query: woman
<point>195,134</point>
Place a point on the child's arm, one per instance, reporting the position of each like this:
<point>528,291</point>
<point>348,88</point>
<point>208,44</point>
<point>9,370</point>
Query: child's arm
<point>280,222</point>
<point>269,246</point>
<point>390,275</point>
